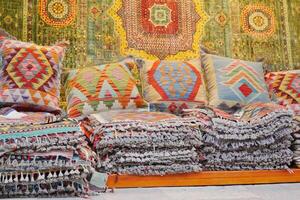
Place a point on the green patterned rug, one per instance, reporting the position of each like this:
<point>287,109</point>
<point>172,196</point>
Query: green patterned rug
<point>247,29</point>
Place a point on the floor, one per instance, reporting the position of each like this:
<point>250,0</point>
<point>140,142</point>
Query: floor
<point>250,192</point>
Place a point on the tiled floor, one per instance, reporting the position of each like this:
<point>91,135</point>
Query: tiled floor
<point>255,192</point>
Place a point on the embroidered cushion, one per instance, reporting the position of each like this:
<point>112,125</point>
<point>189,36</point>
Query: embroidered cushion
<point>284,88</point>
<point>101,88</point>
<point>30,75</point>
<point>231,81</point>
<point>173,81</point>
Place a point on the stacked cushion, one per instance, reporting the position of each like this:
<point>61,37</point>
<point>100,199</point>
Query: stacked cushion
<point>44,159</point>
<point>102,88</point>
<point>146,143</point>
<point>30,75</point>
<point>256,137</point>
<point>232,82</point>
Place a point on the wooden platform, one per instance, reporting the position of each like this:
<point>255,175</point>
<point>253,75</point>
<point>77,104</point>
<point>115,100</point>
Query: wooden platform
<point>206,179</point>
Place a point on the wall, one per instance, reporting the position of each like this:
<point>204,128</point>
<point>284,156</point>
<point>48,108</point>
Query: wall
<point>90,30</point>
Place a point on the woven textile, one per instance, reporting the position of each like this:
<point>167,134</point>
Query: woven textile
<point>296,143</point>
<point>174,107</point>
<point>173,81</point>
<point>258,136</point>
<point>232,82</point>
<point>159,29</point>
<point>100,88</point>
<point>30,75</point>
<point>146,143</point>
<point>243,29</point>
<point>44,159</point>
<point>285,88</point>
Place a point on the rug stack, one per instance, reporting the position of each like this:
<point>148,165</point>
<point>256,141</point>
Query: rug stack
<point>255,137</point>
<point>147,143</point>
<point>40,160</point>
<point>296,143</point>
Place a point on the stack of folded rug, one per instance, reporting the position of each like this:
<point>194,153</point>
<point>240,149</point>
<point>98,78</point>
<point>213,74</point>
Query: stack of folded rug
<point>43,159</point>
<point>146,143</point>
<point>256,137</point>
<point>296,143</point>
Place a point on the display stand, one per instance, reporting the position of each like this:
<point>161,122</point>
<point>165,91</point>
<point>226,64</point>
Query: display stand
<point>207,178</point>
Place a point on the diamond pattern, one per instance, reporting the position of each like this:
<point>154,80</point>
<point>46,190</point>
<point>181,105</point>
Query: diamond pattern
<point>30,75</point>
<point>173,80</point>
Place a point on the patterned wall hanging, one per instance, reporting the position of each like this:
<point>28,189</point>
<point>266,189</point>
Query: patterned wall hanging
<point>244,29</point>
<point>158,28</point>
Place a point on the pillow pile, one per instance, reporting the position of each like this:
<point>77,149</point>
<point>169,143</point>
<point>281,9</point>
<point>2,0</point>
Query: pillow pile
<point>256,137</point>
<point>146,143</point>
<point>296,143</point>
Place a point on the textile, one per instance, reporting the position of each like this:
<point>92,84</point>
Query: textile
<point>284,87</point>
<point>43,160</point>
<point>94,38</point>
<point>173,81</point>
<point>231,81</point>
<point>159,29</point>
<point>100,88</point>
<point>296,146</point>
<point>146,143</point>
<point>30,75</point>
<point>258,136</point>
<point>174,107</point>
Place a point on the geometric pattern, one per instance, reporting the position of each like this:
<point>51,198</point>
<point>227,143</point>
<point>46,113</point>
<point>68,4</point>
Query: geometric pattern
<point>100,88</point>
<point>30,75</point>
<point>159,29</point>
<point>94,35</point>
<point>173,81</point>
<point>146,117</point>
<point>258,20</point>
<point>284,86</point>
<point>231,82</point>
<point>58,13</point>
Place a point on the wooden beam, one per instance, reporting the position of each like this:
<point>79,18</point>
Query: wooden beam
<point>207,178</point>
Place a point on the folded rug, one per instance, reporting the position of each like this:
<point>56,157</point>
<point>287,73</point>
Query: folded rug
<point>146,143</point>
<point>257,136</point>
<point>44,159</point>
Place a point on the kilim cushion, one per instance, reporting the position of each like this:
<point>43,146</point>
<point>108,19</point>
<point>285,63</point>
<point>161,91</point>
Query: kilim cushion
<point>231,81</point>
<point>30,75</point>
<point>173,81</point>
<point>284,88</point>
<point>101,88</point>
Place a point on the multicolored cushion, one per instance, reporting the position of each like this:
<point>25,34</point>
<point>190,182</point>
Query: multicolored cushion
<point>173,81</point>
<point>101,88</point>
<point>231,81</point>
<point>30,75</point>
<point>284,88</point>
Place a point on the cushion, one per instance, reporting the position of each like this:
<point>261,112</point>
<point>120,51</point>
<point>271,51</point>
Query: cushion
<point>231,81</point>
<point>173,81</point>
<point>30,75</point>
<point>101,88</point>
<point>284,88</point>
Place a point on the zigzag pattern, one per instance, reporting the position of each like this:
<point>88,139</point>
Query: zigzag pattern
<point>101,88</point>
<point>285,86</point>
